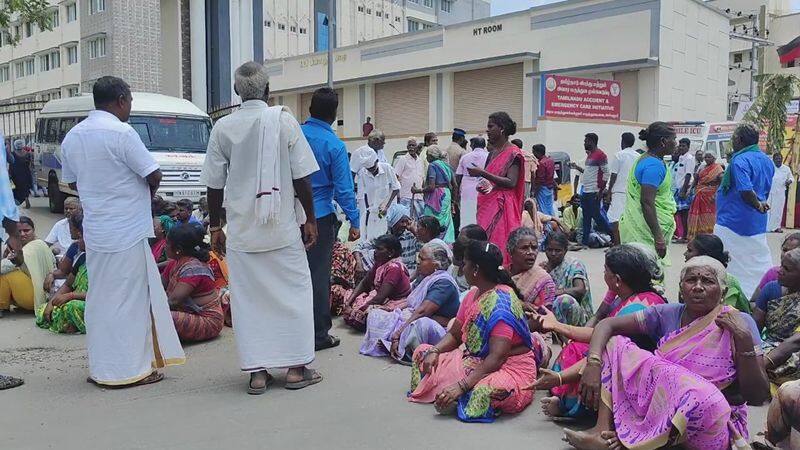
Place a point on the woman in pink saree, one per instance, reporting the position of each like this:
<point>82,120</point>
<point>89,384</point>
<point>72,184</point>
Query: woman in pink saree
<point>501,190</point>
<point>692,390</point>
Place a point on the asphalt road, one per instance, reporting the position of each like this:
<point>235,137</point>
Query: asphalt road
<point>203,404</point>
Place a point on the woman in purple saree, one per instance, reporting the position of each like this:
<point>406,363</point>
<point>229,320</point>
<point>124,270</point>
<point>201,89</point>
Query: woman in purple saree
<point>433,302</point>
<point>692,391</point>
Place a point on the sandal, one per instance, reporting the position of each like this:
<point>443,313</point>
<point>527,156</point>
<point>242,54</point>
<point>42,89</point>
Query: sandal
<point>154,377</point>
<point>258,391</point>
<point>7,382</point>
<point>329,342</point>
<point>310,376</point>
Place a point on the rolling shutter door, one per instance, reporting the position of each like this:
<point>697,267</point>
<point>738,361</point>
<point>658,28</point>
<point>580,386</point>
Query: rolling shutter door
<point>401,107</point>
<point>481,92</point>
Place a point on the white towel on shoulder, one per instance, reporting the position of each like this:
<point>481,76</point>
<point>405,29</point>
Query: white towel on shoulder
<point>268,196</point>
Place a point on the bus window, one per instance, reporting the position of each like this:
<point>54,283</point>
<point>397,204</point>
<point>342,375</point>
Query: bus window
<point>40,130</point>
<point>66,124</point>
<point>51,131</point>
<point>711,147</point>
<point>725,149</point>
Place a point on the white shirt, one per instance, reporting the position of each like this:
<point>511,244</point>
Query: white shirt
<point>685,165</point>
<point>231,164</point>
<point>410,171</point>
<point>377,188</point>
<point>60,235</point>
<point>621,165</point>
<point>780,177</point>
<point>355,159</point>
<point>109,163</point>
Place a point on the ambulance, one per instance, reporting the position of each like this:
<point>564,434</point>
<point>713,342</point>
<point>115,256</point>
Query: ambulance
<point>711,137</point>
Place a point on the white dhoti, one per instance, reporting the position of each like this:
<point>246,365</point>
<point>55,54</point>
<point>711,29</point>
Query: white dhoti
<point>469,211</point>
<point>129,328</point>
<point>376,225</point>
<point>777,202</point>
<point>272,307</point>
<point>750,257</point>
<point>617,206</point>
<point>362,214</point>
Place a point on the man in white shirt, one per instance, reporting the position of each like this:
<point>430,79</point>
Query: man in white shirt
<point>682,171</point>
<point>60,238</point>
<point>375,143</point>
<point>617,193</point>
<point>129,328</point>
<point>377,188</point>
<point>781,181</point>
<point>257,161</point>
<point>410,170</point>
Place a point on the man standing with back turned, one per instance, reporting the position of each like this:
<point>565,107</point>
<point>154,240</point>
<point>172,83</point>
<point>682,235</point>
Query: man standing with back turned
<point>331,181</point>
<point>260,155</point>
<point>129,328</point>
<point>742,209</point>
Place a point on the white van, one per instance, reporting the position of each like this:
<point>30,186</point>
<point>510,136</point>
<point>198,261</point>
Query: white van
<point>713,137</point>
<point>174,130</point>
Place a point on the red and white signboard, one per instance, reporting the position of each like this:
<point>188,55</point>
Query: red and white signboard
<point>580,98</point>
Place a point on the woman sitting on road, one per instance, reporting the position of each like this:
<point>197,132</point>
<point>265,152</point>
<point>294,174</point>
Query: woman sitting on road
<point>386,284</point>
<point>711,245</point>
<point>629,271</point>
<point>430,306</point>
<point>190,285</point>
<point>573,303</point>
<point>693,390</point>
<point>64,312</point>
<point>24,273</point>
<point>533,281</point>
<point>778,313</point>
<point>486,376</point>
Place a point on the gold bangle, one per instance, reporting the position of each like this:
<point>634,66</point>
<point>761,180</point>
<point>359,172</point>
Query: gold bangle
<point>770,359</point>
<point>594,359</point>
<point>560,380</point>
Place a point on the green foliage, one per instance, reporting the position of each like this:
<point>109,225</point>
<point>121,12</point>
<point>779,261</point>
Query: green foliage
<point>769,109</point>
<point>34,11</point>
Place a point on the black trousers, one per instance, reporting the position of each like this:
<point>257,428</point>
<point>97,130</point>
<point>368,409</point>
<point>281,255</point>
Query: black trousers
<point>319,263</point>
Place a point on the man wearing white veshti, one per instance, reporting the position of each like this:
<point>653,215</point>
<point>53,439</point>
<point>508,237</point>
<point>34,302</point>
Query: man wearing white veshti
<point>257,161</point>
<point>129,328</point>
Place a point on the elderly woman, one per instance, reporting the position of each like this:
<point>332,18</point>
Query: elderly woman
<point>386,284</point>
<point>502,188</point>
<point>778,312</point>
<point>533,281</point>
<point>483,377</point>
<point>693,390</point>
<point>784,415</point>
<point>24,273</point>
<point>431,305</point>
<point>573,303</point>
<point>711,245</point>
<point>703,212</point>
<point>630,270</point>
<point>438,191</point>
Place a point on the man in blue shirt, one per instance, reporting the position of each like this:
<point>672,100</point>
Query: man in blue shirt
<point>332,181</point>
<point>742,209</point>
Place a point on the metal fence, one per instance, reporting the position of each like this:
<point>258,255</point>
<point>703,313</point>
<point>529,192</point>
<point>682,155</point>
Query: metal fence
<point>18,120</point>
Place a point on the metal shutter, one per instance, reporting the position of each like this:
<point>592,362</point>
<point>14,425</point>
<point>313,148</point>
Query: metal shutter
<point>401,107</point>
<point>481,92</point>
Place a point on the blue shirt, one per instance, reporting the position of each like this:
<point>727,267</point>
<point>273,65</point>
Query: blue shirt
<point>333,179</point>
<point>445,295</point>
<point>650,172</point>
<point>750,171</point>
<point>8,207</point>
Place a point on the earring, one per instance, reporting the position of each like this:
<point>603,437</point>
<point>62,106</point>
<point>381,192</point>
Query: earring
<point>475,273</point>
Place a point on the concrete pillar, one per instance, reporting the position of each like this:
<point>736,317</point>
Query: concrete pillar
<point>197,26</point>
<point>448,98</point>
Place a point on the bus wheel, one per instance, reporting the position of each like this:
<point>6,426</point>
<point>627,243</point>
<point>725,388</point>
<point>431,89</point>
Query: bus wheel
<point>55,197</point>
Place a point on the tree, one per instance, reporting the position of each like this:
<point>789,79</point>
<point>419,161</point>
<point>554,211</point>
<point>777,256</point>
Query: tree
<point>769,109</point>
<point>34,11</point>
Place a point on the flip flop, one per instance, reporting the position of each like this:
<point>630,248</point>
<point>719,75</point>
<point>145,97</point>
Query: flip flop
<point>310,376</point>
<point>258,391</point>
<point>7,382</point>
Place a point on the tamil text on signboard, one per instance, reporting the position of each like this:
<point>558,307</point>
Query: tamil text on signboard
<point>580,98</point>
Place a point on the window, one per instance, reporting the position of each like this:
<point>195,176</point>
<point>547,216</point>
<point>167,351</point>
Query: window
<point>30,67</point>
<point>446,5</point>
<point>51,130</point>
<point>72,55</point>
<point>361,9</point>
<point>737,58</point>
<point>413,25</point>
<point>268,23</point>
<point>428,3</point>
<point>303,30</point>
<point>54,95</point>
<point>66,124</point>
<point>97,48</point>
<point>19,69</point>
<point>397,19</point>
<point>5,73</point>
<point>72,12</point>
<point>386,16</point>
<point>426,26</point>
<point>28,29</point>
<point>711,147</point>
<point>44,63</point>
<point>96,6</point>
<point>55,59</point>
<point>17,31</point>
<point>54,18</point>
<point>293,29</point>
<point>281,26</point>
<point>378,13</point>
<point>72,91</point>
<point>369,10</point>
